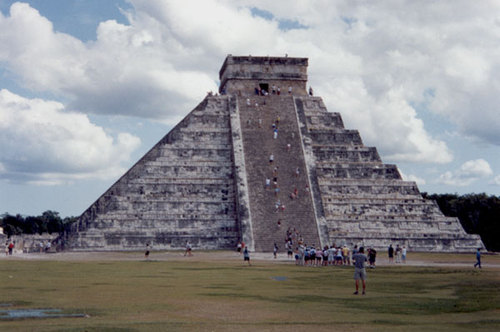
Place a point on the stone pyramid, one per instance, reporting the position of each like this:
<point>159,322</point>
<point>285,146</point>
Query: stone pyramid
<point>211,181</point>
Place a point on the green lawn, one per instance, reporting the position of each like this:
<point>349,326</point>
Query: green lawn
<point>225,295</point>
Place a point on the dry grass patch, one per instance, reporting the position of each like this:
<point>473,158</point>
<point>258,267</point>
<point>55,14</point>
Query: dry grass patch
<point>223,294</point>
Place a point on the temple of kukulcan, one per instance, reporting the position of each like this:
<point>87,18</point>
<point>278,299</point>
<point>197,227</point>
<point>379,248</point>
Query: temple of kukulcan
<point>260,159</point>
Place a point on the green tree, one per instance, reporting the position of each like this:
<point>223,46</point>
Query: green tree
<point>12,225</point>
<point>478,214</point>
<point>49,221</point>
<point>53,221</point>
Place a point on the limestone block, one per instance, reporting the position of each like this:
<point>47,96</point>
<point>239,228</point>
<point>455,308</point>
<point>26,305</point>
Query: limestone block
<point>240,74</point>
<point>342,138</point>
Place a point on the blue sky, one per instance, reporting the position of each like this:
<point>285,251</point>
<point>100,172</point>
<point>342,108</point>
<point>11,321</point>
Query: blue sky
<point>78,18</point>
<point>87,87</point>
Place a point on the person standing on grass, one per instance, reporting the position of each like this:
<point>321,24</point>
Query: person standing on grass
<point>188,249</point>
<point>398,253</point>
<point>11,247</point>
<point>345,255</point>
<point>403,254</point>
<point>390,253</point>
<point>246,256</point>
<point>372,256</point>
<point>359,261</point>
<point>478,258</point>
<point>289,248</point>
<point>331,255</point>
<point>146,254</point>
<point>338,256</point>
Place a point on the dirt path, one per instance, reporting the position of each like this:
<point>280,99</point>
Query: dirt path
<point>414,259</point>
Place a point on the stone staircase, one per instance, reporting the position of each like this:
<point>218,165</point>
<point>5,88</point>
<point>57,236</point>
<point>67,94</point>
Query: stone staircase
<point>269,222</point>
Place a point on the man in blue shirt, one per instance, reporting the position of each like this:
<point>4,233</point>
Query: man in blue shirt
<point>478,258</point>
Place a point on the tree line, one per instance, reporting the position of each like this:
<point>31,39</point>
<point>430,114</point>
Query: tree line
<point>478,214</point>
<point>49,222</point>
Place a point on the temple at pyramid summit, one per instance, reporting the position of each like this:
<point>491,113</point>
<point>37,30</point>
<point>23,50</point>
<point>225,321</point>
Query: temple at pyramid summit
<point>260,161</point>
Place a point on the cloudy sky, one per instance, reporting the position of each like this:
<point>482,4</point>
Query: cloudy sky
<point>88,86</point>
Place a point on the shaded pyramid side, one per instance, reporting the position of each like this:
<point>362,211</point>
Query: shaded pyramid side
<point>182,190</point>
<point>361,200</point>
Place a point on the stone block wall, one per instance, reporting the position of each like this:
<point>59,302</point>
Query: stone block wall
<point>364,201</point>
<point>182,190</point>
<point>239,75</point>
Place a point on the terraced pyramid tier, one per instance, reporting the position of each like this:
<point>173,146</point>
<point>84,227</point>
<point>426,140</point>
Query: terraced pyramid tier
<point>259,162</point>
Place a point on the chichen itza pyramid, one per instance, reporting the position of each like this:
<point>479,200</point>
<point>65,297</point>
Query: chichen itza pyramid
<point>205,181</point>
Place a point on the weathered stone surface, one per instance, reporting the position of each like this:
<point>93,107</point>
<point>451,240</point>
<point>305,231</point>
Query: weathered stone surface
<point>241,74</point>
<point>364,201</point>
<point>204,182</point>
<point>259,144</point>
<point>183,189</point>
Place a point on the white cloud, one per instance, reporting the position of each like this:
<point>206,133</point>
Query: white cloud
<point>496,180</point>
<point>388,122</point>
<point>478,168</point>
<point>128,70</point>
<point>42,143</point>
<point>370,62</point>
<point>469,172</point>
<point>411,177</point>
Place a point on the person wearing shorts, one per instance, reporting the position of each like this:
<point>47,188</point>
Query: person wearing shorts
<point>246,255</point>
<point>319,256</point>
<point>359,269</point>
<point>338,256</point>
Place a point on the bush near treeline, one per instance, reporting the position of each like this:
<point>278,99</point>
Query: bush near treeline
<point>478,214</point>
<point>49,222</point>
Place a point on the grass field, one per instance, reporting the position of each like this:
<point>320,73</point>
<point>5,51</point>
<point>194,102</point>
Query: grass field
<point>131,294</point>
